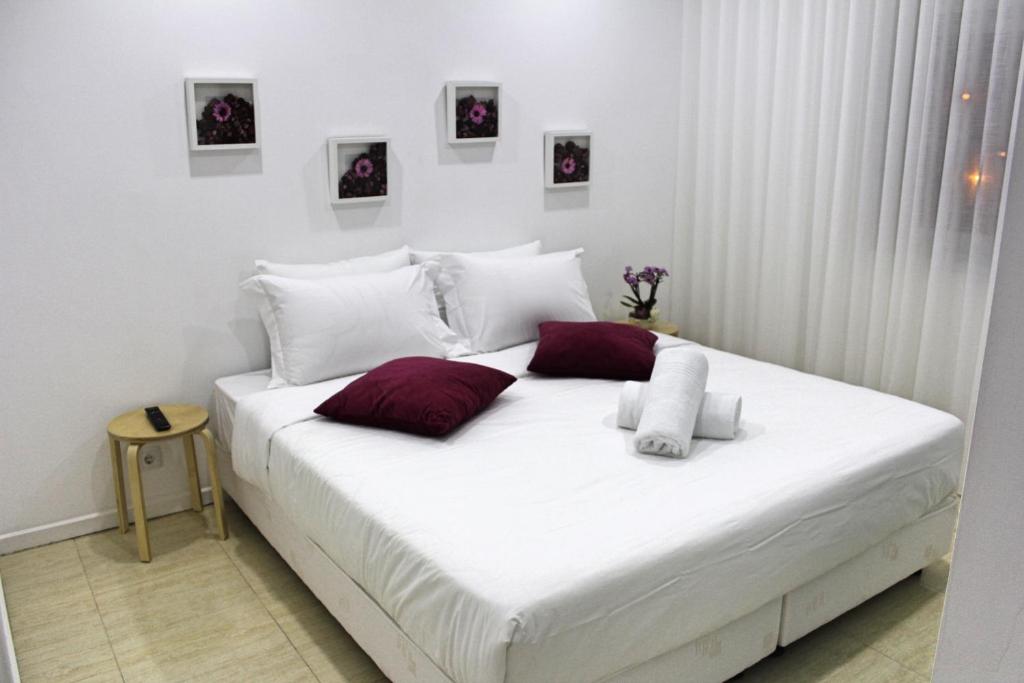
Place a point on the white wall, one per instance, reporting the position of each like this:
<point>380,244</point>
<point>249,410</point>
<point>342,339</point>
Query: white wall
<point>121,253</point>
<point>982,635</point>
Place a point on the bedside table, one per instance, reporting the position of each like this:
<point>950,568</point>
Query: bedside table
<point>133,428</point>
<point>660,326</point>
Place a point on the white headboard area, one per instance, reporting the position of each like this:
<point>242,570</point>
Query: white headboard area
<point>122,250</point>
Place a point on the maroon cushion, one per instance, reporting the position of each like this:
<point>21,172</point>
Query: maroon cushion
<point>421,395</point>
<point>600,350</point>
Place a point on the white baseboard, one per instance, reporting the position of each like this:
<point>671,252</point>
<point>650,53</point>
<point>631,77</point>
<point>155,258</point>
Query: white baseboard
<point>8,662</point>
<point>157,506</point>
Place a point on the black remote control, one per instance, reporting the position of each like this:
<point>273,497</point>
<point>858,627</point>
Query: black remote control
<point>157,419</point>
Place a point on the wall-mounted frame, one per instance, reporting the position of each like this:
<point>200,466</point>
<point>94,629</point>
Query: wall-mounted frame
<point>223,113</point>
<point>473,110</point>
<point>357,169</point>
<point>567,158</point>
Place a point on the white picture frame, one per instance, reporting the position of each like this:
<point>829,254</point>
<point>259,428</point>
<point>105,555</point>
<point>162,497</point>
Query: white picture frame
<point>341,154</point>
<point>482,90</point>
<point>583,139</point>
<point>199,92</point>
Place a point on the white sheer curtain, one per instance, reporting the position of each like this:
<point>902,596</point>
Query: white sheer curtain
<point>841,164</point>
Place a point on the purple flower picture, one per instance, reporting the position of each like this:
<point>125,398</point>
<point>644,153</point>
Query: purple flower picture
<point>476,118</point>
<point>228,120</point>
<point>571,161</point>
<point>367,175</point>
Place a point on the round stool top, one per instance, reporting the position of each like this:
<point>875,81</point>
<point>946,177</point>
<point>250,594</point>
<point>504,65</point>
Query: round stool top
<point>134,426</point>
<point>663,327</point>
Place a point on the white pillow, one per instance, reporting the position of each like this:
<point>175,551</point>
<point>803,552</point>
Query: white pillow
<point>378,263</point>
<point>528,249</point>
<point>496,303</point>
<point>337,326</point>
<point>432,259</point>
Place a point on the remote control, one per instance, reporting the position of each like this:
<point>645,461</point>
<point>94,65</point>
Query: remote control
<point>157,419</point>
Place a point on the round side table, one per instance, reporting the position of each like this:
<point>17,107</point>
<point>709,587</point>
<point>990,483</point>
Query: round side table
<point>133,428</point>
<point>662,327</point>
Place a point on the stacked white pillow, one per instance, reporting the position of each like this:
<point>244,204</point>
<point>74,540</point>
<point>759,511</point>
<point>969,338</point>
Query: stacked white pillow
<point>494,303</point>
<point>528,249</point>
<point>378,263</point>
<point>345,324</point>
<point>432,259</point>
<point>334,319</point>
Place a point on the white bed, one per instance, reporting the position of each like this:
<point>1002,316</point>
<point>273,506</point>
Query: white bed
<point>534,545</point>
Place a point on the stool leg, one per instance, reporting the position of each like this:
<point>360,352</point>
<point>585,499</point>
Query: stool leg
<point>193,473</point>
<point>115,465</point>
<point>138,502</point>
<point>218,496</point>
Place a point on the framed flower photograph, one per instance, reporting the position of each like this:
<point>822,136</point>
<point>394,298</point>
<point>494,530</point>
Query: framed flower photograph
<point>567,158</point>
<point>474,111</point>
<point>357,169</point>
<point>222,114</point>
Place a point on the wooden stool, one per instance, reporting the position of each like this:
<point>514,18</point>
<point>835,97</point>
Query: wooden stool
<point>186,421</point>
<point>663,327</point>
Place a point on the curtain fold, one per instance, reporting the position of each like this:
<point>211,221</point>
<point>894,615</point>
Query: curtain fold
<point>840,171</point>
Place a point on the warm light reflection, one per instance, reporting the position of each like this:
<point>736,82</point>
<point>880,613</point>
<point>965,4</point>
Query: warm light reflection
<point>1002,154</point>
<point>965,96</point>
<point>974,178</point>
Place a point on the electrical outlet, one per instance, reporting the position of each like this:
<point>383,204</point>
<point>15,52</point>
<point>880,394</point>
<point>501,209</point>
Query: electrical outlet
<point>152,458</point>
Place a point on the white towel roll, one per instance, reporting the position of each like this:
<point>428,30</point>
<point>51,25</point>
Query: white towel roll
<point>674,395</point>
<point>719,415</point>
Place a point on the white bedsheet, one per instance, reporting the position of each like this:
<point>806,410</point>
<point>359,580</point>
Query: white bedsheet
<point>534,544</point>
<point>227,391</point>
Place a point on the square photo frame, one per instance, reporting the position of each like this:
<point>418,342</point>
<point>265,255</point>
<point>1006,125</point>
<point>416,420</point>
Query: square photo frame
<point>474,111</point>
<point>223,114</point>
<point>357,169</point>
<point>567,160</point>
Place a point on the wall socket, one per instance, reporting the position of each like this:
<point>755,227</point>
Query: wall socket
<point>152,458</point>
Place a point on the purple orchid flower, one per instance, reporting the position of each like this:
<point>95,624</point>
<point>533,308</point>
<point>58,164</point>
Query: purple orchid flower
<point>364,168</point>
<point>478,113</point>
<point>652,276</point>
<point>568,166</point>
<point>221,111</point>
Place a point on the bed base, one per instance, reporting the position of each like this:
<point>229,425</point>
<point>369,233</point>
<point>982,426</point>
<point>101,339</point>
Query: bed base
<point>712,658</point>
<point>902,554</point>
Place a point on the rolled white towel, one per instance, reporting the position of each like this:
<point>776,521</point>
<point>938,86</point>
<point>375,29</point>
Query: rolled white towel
<point>718,418</point>
<point>673,401</point>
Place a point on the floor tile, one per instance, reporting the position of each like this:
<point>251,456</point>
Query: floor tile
<point>327,648</point>
<point>279,588</point>
<point>902,624</point>
<point>180,541</point>
<point>168,599</point>
<point>57,631</point>
<point>48,565</point>
<point>935,576</point>
<point>239,643</point>
<point>95,664</point>
<point>829,655</point>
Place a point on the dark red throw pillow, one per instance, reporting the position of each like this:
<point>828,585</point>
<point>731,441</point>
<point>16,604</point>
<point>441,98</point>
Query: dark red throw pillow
<point>417,394</point>
<point>600,350</point>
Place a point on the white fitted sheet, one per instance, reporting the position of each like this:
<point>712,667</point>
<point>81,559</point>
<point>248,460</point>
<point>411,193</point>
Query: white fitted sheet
<point>226,393</point>
<point>535,544</point>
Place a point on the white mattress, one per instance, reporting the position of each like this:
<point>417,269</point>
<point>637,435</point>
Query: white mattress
<point>226,393</point>
<point>534,544</point>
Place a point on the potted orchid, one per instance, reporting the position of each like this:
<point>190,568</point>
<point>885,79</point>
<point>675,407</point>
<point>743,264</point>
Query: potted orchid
<point>651,276</point>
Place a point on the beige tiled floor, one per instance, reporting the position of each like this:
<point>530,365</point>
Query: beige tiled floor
<point>87,610</point>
